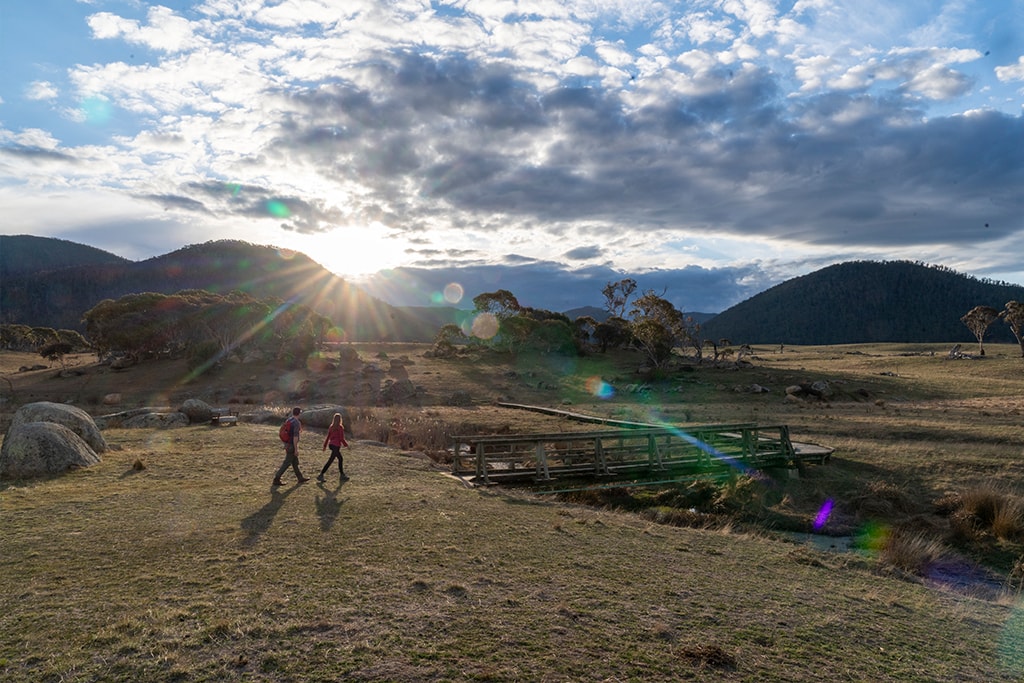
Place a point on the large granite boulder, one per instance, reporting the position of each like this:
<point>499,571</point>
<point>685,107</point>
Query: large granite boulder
<point>156,421</point>
<point>196,410</point>
<point>39,449</point>
<point>75,419</point>
<point>320,417</point>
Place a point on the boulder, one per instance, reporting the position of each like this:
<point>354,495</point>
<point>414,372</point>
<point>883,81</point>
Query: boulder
<point>459,397</point>
<point>39,449</point>
<point>121,363</point>
<point>112,399</point>
<point>196,410</point>
<point>75,419</point>
<point>321,417</point>
<point>156,421</point>
<point>117,420</point>
<point>396,392</point>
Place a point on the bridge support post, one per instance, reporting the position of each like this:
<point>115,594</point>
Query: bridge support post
<point>542,463</point>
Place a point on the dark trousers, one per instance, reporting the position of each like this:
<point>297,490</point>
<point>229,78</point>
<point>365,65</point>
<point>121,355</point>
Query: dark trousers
<point>335,453</point>
<point>291,459</point>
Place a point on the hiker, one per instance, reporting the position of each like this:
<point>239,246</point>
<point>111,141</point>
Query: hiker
<point>335,439</point>
<point>291,449</point>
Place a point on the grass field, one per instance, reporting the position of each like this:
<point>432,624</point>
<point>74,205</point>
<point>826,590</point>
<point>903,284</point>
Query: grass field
<point>174,560</point>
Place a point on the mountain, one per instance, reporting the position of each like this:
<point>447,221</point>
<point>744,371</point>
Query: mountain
<point>59,291</point>
<point>25,254</point>
<point>50,283</point>
<point>866,301</point>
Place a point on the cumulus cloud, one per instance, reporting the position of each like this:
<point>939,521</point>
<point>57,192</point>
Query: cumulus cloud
<point>478,133</point>
<point>165,31</point>
<point>41,90</point>
<point>1011,72</point>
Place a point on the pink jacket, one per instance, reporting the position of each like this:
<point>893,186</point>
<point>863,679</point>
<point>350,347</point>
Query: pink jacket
<point>336,437</point>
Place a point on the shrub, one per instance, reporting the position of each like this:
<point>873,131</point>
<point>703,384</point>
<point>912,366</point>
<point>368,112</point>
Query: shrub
<point>912,552</point>
<point>202,356</point>
<point>982,510</point>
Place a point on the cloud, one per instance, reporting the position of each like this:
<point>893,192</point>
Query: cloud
<point>632,133</point>
<point>584,253</point>
<point>41,90</point>
<point>1012,72</point>
<point>165,32</point>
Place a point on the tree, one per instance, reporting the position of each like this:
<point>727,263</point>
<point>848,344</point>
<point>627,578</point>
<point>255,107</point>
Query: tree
<point>447,337</point>
<point>553,335</point>
<point>515,331</point>
<point>55,351</point>
<point>583,329</point>
<point>978,320</point>
<point>502,304</point>
<point>613,332</point>
<point>17,338</point>
<point>1013,315</point>
<point>657,327</point>
<point>616,296</point>
<point>142,325</point>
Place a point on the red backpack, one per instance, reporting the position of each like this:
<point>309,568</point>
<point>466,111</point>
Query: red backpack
<point>286,431</point>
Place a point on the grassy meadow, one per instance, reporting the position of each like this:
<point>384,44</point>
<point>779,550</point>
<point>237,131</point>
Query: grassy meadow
<point>174,559</point>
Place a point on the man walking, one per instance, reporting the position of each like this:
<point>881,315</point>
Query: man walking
<point>291,449</point>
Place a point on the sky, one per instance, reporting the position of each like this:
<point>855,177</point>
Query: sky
<point>709,149</point>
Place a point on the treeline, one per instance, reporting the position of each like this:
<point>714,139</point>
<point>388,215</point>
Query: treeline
<point>48,292</point>
<point>645,321</point>
<point>200,326</point>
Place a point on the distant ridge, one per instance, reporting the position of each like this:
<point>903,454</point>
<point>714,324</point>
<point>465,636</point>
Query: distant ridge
<point>50,282</point>
<point>26,254</point>
<point>53,296</point>
<point>866,302</point>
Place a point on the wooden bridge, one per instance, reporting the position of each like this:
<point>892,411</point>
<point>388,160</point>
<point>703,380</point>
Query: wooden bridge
<point>638,451</point>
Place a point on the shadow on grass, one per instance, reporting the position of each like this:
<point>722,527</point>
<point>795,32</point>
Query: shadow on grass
<point>328,507</point>
<point>258,522</point>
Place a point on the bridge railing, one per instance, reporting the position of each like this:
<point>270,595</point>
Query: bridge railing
<point>706,448</point>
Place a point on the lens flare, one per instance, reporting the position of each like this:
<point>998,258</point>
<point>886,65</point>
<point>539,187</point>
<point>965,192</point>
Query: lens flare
<point>1011,643</point>
<point>485,326</point>
<point>599,388</point>
<point>711,451</point>
<point>453,293</point>
<point>278,209</point>
<point>96,110</point>
<point>823,514</point>
<point>872,537</point>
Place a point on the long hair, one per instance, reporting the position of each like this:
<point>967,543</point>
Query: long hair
<point>337,420</point>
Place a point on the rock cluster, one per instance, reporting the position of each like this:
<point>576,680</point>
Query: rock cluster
<point>46,438</point>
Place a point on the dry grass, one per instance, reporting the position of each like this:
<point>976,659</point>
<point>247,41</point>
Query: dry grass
<point>172,560</point>
<point>193,569</point>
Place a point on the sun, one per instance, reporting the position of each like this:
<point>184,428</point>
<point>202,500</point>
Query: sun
<point>353,251</point>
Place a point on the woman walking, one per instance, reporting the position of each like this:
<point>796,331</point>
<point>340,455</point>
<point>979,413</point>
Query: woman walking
<point>335,439</point>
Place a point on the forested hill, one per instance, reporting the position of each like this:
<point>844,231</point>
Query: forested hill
<point>25,254</point>
<point>57,298</point>
<point>866,301</point>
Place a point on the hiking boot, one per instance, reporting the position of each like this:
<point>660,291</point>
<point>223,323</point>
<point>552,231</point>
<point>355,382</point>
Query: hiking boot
<point>277,482</point>
<point>344,477</point>
<point>303,480</point>
<point>319,477</point>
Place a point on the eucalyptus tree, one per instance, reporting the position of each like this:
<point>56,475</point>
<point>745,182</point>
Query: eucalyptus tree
<point>657,327</point>
<point>978,320</point>
<point>1013,315</point>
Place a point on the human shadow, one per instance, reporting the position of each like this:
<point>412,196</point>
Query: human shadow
<point>256,524</point>
<point>328,507</point>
